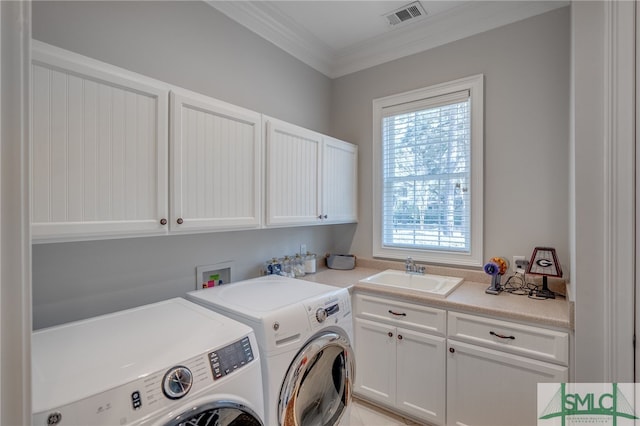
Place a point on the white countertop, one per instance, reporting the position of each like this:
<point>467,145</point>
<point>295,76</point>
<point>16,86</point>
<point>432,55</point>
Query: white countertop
<point>469,297</point>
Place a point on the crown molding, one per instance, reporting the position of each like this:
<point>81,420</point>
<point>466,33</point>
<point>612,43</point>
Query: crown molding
<point>470,18</point>
<point>270,23</point>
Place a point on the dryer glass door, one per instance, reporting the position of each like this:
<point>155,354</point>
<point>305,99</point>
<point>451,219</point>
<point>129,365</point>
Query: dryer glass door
<point>217,413</point>
<point>317,387</point>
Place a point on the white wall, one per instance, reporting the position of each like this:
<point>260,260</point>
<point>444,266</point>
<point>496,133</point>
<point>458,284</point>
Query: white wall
<point>192,45</point>
<point>526,69</point>
<point>15,248</point>
<point>603,198</point>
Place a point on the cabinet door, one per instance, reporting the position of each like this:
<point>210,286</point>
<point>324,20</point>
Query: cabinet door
<point>375,349</point>
<point>99,149</point>
<point>215,164</point>
<point>420,370</point>
<point>340,181</point>
<point>293,174</point>
<point>494,388</point>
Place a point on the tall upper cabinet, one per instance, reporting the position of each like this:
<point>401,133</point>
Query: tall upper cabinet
<point>311,178</point>
<point>339,181</point>
<point>215,164</point>
<point>99,142</point>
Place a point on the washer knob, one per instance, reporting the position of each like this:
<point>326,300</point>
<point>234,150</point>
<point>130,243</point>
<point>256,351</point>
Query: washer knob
<point>321,315</point>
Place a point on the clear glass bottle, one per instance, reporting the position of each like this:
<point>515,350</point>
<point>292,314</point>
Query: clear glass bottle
<point>287,267</point>
<point>310,263</point>
<point>298,268</point>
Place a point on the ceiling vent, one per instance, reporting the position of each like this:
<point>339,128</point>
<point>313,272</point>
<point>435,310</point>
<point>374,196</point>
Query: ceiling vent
<point>406,14</point>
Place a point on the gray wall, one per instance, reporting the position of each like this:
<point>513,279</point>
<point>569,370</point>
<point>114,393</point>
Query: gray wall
<point>188,44</point>
<point>526,67</point>
<point>192,45</point>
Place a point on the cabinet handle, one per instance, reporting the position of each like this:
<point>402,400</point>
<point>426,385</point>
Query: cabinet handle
<point>180,221</point>
<point>163,221</point>
<point>398,314</point>
<point>502,336</point>
<point>390,334</point>
<point>399,336</point>
<point>452,350</point>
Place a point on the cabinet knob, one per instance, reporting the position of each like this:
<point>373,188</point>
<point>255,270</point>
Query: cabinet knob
<point>390,334</point>
<point>452,350</point>
<point>180,221</point>
<point>325,216</point>
<point>319,216</point>
<point>163,221</point>
<point>399,336</point>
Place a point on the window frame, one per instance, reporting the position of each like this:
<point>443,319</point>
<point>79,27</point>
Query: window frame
<point>474,257</point>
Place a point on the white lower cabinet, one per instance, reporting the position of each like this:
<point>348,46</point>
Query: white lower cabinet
<point>399,367</point>
<point>494,367</point>
<point>481,371</point>
<point>494,388</point>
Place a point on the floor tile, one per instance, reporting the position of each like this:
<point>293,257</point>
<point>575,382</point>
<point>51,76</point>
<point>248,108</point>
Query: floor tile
<point>365,414</point>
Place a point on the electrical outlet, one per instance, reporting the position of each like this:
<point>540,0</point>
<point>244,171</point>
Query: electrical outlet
<point>519,264</point>
<point>303,249</point>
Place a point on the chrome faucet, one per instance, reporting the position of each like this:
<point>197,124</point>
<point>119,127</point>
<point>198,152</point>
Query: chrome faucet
<point>411,268</point>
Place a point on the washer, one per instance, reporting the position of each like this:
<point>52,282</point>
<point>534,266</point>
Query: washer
<point>167,363</point>
<point>304,332</point>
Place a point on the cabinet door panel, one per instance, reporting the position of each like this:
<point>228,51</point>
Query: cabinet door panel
<point>99,149</point>
<point>340,181</point>
<point>375,349</point>
<point>293,174</point>
<point>421,375</point>
<point>493,388</point>
<point>215,164</point>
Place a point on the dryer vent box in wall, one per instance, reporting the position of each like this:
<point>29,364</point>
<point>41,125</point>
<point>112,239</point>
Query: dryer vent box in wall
<point>213,275</point>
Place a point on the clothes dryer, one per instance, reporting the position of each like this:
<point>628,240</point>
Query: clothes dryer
<point>304,331</point>
<point>167,363</point>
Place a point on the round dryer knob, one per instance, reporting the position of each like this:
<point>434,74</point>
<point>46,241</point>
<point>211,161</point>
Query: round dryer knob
<point>321,315</point>
<point>177,382</point>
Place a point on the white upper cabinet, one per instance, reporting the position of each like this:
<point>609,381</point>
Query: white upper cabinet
<point>116,154</point>
<point>99,149</point>
<point>339,181</point>
<point>215,164</point>
<point>311,178</point>
<point>293,156</point>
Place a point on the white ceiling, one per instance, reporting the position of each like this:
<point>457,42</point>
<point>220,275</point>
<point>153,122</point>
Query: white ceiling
<point>338,37</point>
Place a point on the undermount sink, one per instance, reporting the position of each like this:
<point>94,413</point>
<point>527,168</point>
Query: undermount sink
<point>436,285</point>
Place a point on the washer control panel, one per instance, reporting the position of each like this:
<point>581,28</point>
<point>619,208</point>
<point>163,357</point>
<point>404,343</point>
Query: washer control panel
<point>328,309</point>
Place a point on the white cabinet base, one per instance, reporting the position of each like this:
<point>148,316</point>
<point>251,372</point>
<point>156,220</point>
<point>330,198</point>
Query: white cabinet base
<point>493,388</point>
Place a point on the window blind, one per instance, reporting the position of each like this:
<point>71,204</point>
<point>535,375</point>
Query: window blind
<point>426,159</point>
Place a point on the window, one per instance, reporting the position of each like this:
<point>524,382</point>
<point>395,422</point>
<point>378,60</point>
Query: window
<point>428,174</point>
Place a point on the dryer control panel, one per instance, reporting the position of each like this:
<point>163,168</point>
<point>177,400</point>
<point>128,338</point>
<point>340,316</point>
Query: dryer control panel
<point>228,359</point>
<point>156,392</point>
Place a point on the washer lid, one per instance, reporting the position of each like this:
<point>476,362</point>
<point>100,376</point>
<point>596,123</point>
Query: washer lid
<point>259,296</point>
<point>87,357</point>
